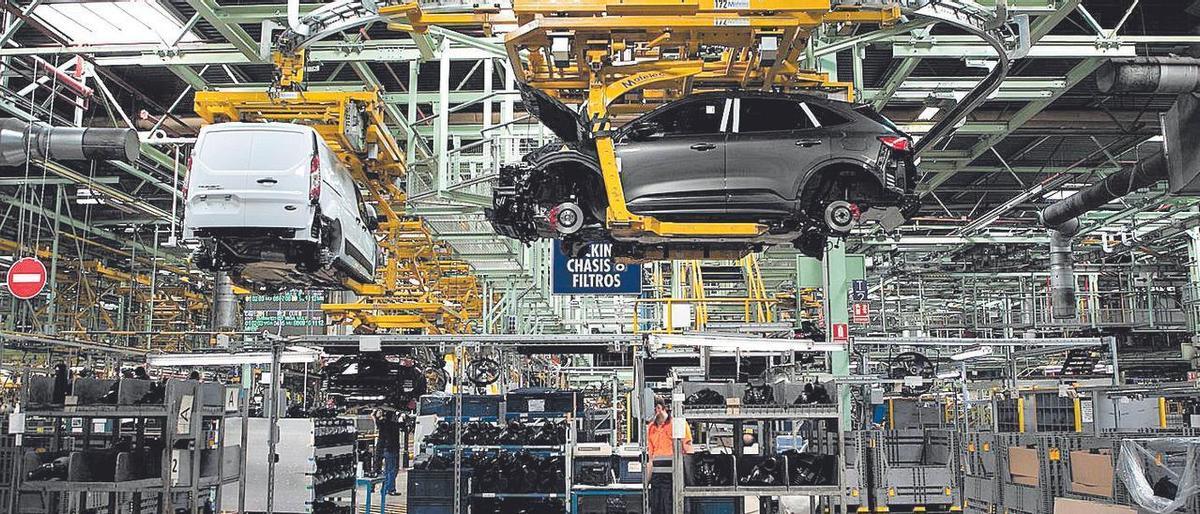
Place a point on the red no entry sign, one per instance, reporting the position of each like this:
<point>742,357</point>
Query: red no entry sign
<point>26,278</point>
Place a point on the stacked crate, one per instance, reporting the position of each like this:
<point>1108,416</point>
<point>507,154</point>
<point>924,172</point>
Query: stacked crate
<point>917,468</point>
<point>980,470</point>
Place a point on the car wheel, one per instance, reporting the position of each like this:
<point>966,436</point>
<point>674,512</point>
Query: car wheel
<point>839,216</point>
<point>566,218</point>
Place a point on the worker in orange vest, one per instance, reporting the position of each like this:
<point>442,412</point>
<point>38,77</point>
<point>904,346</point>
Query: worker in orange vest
<point>661,448</point>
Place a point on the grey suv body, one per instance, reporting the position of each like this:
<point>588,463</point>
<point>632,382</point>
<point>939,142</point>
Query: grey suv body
<point>804,166</point>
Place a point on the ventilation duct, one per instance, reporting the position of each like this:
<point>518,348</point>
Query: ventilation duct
<point>1129,179</point>
<point>1062,270</point>
<point>224,303</point>
<point>21,141</point>
<point>1164,75</point>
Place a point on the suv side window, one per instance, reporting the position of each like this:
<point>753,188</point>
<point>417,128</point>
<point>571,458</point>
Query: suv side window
<point>772,114</point>
<point>695,117</point>
<point>826,117</point>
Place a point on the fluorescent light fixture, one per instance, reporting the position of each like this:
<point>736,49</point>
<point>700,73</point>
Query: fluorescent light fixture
<point>1155,139</point>
<point>1060,194</point>
<point>971,353</point>
<point>732,343</point>
<point>114,22</point>
<point>928,113</point>
<point>946,375</point>
<point>293,355</point>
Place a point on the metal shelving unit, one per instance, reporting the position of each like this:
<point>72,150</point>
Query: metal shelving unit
<point>190,422</point>
<point>826,415</point>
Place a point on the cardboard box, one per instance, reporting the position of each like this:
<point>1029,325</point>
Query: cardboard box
<point>1023,465</point>
<point>1070,506</point>
<point>733,405</point>
<point>1092,473</point>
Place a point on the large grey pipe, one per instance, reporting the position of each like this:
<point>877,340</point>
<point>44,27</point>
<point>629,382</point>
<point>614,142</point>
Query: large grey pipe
<point>224,303</point>
<point>1128,179</point>
<point>1062,220</point>
<point>1163,75</point>
<point>1062,270</point>
<point>21,141</point>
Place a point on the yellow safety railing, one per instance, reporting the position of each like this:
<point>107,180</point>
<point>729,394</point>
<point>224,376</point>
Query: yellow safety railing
<point>664,309</point>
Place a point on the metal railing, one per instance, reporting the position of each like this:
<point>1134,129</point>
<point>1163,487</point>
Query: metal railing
<point>664,315</point>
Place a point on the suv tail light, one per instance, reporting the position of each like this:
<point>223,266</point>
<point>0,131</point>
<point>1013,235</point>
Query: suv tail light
<point>897,143</point>
<point>187,176</point>
<point>314,179</point>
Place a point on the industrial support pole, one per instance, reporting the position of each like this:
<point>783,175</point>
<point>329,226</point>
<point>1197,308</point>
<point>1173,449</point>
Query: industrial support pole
<point>52,279</point>
<point>273,424</point>
<point>837,277</point>
<point>247,384</point>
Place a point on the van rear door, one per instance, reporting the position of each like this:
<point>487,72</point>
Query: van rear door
<point>253,176</point>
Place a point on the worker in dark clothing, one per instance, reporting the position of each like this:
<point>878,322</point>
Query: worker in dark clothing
<point>387,443</point>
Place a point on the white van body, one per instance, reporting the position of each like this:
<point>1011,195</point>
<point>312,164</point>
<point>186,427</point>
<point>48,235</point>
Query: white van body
<point>272,203</point>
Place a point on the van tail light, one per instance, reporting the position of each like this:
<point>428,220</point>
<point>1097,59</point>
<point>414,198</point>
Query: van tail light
<point>897,143</point>
<point>187,175</point>
<point>314,179</point>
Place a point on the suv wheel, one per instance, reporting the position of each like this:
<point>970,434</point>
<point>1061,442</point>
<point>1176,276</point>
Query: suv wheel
<point>839,216</point>
<point>566,218</point>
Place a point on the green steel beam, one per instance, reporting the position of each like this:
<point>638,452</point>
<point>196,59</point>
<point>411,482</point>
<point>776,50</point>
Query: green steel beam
<point>917,89</point>
<point>1019,118</point>
<point>258,13</point>
<point>189,76</point>
<point>839,271</point>
<point>1050,47</point>
<point>492,46</point>
<point>840,44</point>
<point>879,98</point>
<point>376,50</point>
<point>1045,24</point>
<point>90,229</point>
<point>236,35</point>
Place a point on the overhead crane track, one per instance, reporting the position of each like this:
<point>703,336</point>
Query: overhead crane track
<point>1009,45</point>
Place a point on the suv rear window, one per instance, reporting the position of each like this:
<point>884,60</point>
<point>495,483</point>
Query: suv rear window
<point>868,111</point>
<point>254,150</point>
<point>826,117</point>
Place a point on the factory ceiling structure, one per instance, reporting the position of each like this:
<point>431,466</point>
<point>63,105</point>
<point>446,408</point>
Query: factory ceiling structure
<point>1046,132</point>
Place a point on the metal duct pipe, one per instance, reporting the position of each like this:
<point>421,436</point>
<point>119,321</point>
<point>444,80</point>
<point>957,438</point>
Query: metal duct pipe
<point>293,18</point>
<point>21,141</point>
<point>224,303</point>
<point>1121,183</point>
<point>1062,270</point>
<point>1176,75</point>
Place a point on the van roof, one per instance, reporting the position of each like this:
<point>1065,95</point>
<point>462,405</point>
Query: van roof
<point>239,125</point>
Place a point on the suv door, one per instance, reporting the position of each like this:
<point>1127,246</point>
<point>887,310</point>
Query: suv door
<point>678,168</point>
<point>774,142</point>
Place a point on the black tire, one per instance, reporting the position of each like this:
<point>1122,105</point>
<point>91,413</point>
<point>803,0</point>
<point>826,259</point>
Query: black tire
<point>844,183</point>
<point>332,245</point>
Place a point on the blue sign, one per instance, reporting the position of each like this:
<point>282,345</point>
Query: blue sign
<point>594,272</point>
